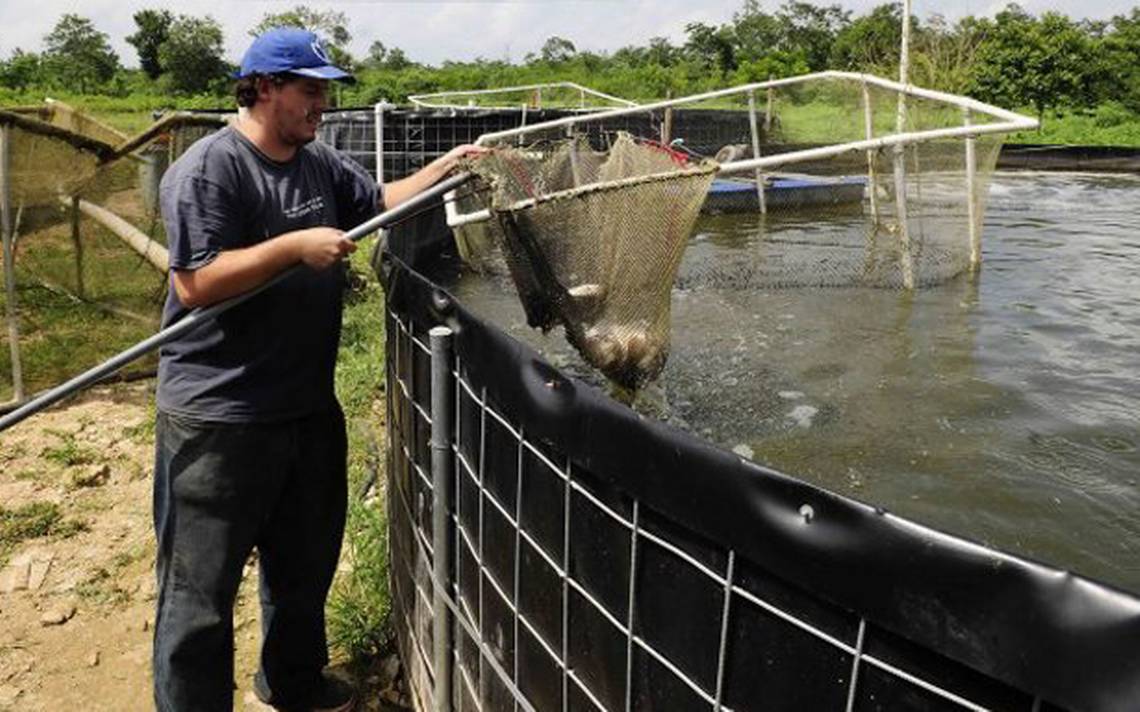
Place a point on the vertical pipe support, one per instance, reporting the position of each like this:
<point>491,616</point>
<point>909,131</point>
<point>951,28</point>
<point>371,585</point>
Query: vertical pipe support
<point>756,149</point>
<point>522,123</point>
<point>442,476</point>
<point>972,212</point>
<point>9,267</point>
<point>869,129</point>
<point>906,258</point>
<point>378,119</point>
<point>768,112</point>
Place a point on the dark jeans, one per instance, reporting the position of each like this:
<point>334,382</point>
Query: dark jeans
<point>221,489</point>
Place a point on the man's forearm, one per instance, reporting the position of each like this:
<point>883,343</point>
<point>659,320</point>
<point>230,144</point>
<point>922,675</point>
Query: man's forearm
<point>398,191</point>
<point>235,271</point>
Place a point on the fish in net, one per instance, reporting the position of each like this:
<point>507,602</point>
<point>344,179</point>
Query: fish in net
<point>593,241</point>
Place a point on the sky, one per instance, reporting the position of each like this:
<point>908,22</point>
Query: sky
<point>430,31</point>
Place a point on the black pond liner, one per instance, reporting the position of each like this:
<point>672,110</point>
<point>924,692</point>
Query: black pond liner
<point>605,561</point>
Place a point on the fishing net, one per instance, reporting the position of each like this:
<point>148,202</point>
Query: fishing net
<point>593,240</point>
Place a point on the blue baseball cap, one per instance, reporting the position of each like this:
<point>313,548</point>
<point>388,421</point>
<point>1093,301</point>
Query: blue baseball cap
<point>292,50</point>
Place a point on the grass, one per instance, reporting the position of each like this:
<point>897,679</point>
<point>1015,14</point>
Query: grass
<point>359,604</point>
<point>34,521</point>
<point>1109,124</point>
<point>68,452</point>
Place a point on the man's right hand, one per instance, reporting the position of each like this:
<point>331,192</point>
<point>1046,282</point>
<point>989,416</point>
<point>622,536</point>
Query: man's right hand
<point>320,247</point>
<point>235,271</point>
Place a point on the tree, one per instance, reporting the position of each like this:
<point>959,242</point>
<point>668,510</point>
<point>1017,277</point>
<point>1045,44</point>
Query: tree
<point>1042,62</point>
<point>871,41</point>
<point>397,60</point>
<point>662,52</point>
<point>1121,50</point>
<point>192,54</point>
<point>22,70</point>
<point>153,29</point>
<point>943,56</point>
<point>756,33</point>
<point>811,29</point>
<point>377,54</point>
<point>329,25</point>
<point>78,56</point>
<point>711,46</point>
<point>557,50</point>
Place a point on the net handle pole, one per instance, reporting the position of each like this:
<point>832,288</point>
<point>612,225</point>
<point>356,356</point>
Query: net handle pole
<point>972,211</point>
<point>200,316</point>
<point>755,131</point>
<point>9,267</point>
<point>869,130</point>
<point>442,476</point>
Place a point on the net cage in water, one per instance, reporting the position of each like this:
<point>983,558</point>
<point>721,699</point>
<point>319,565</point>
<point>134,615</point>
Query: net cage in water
<point>84,251</point>
<point>860,182</point>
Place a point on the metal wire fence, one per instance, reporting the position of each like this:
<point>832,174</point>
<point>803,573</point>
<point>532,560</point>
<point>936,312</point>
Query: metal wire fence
<point>564,591</point>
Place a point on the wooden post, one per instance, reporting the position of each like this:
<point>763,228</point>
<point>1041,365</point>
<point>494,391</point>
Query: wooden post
<point>75,240</point>
<point>9,266</point>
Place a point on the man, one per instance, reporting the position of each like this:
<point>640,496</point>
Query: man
<point>250,440</point>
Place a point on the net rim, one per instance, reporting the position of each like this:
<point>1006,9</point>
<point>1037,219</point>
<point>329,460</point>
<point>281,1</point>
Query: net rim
<point>705,167</point>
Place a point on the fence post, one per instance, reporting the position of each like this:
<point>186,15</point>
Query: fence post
<point>442,475</point>
<point>756,147</point>
<point>972,197</point>
<point>9,266</point>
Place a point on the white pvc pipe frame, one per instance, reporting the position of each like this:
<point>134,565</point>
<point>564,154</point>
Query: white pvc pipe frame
<point>1008,122</point>
<point>418,99</point>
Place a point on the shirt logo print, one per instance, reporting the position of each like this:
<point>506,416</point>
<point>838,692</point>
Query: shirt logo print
<point>312,205</point>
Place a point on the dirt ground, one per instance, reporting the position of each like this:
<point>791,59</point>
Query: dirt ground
<point>77,606</point>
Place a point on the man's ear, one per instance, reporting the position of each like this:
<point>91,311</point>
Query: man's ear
<point>265,87</point>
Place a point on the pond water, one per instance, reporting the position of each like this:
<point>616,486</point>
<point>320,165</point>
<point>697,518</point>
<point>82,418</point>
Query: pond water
<point>1003,407</point>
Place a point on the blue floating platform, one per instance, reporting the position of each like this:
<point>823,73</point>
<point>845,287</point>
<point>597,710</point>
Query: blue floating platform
<point>735,195</point>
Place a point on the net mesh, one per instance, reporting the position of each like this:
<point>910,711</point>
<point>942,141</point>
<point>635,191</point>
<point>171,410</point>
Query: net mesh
<point>593,240</point>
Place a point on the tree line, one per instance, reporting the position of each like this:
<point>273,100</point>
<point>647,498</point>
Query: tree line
<point>1015,59</point>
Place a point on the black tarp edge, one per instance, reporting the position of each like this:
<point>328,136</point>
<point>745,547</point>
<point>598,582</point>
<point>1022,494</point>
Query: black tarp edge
<point>1070,640</point>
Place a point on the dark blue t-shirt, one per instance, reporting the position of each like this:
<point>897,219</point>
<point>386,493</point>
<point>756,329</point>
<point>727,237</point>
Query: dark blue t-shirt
<point>271,358</point>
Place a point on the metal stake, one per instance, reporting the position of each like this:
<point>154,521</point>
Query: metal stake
<point>442,475</point>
